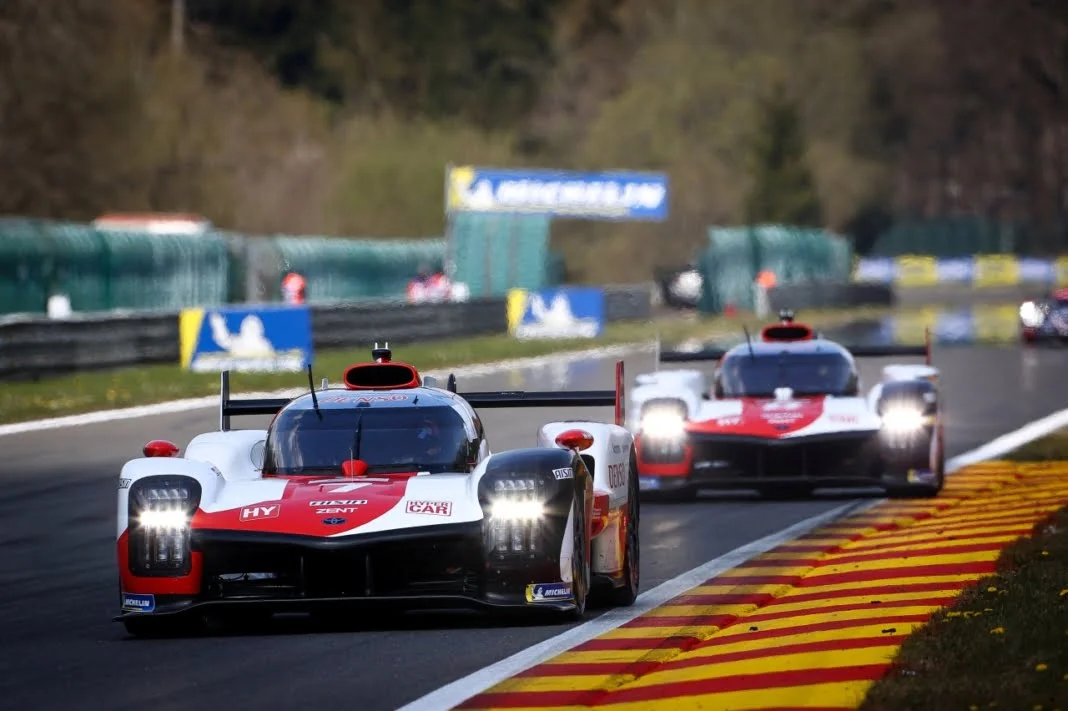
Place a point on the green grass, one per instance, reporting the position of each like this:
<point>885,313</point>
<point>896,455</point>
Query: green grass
<point>1004,642</point>
<point>126,387</point>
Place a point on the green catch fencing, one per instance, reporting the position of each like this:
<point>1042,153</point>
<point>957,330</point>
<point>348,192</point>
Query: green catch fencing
<point>495,253</point>
<point>106,270</point>
<point>735,256</point>
<point>102,271</point>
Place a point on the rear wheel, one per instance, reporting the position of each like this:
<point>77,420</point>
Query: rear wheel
<point>626,594</point>
<point>580,564</point>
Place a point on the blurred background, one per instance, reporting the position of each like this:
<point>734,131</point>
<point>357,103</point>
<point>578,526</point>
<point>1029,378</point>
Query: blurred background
<point>801,138</point>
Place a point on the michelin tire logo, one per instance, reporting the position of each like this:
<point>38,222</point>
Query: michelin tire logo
<point>556,320</point>
<point>548,592</point>
<point>138,603</point>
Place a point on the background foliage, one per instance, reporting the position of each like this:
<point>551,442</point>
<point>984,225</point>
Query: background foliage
<point>338,117</point>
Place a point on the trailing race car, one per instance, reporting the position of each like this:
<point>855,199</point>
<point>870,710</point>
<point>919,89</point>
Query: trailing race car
<point>1045,320</point>
<point>785,415</point>
<point>381,493</point>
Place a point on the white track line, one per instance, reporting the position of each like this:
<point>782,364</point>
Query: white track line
<point>451,695</point>
<point>199,403</point>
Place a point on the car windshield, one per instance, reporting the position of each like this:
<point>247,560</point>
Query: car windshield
<point>805,373</point>
<point>388,439</point>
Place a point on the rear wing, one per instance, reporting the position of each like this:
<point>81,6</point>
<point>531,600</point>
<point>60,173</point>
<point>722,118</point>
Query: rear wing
<point>248,407</point>
<point>550,398</point>
<point>714,354</point>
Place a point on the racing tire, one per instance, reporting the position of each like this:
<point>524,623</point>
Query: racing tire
<point>627,593</point>
<point>924,491</point>
<point>580,563</point>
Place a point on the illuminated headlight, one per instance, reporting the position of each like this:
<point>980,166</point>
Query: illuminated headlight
<point>1031,315</point>
<point>901,420</point>
<point>160,512</point>
<point>662,424</point>
<point>516,510</point>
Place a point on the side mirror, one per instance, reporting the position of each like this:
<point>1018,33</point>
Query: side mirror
<point>258,454</point>
<point>353,468</point>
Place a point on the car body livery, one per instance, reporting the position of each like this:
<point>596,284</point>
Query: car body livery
<point>1045,320</point>
<point>381,493</point>
<point>786,414</point>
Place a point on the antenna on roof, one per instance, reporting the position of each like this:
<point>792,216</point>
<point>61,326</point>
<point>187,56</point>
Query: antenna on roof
<point>325,385</point>
<point>748,340</point>
<point>656,353</point>
<point>786,315</point>
<point>311,387</point>
<point>381,354</point>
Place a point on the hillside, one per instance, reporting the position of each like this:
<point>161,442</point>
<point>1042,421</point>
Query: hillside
<point>338,118</point>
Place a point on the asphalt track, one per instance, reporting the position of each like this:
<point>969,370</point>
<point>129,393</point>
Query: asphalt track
<point>58,593</point>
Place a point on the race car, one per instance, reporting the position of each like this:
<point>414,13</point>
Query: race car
<point>1045,320</point>
<point>379,493</point>
<point>785,414</point>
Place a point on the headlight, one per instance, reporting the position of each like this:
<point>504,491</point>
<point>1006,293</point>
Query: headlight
<point>662,425</point>
<point>516,511</point>
<point>161,509</point>
<point>903,420</point>
<point>1031,315</point>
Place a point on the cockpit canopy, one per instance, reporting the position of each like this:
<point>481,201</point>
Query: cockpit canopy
<point>806,373</point>
<point>303,441</point>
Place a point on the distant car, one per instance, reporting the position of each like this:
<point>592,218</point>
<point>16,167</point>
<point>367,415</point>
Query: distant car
<point>380,493</point>
<point>785,414</point>
<point>1045,320</point>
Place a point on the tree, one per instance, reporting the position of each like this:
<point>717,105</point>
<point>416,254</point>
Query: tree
<point>784,189</point>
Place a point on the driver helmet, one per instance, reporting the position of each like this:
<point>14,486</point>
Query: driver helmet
<point>429,436</point>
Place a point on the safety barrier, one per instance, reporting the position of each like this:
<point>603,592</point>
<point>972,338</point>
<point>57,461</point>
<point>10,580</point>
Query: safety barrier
<point>981,270</point>
<point>34,347</point>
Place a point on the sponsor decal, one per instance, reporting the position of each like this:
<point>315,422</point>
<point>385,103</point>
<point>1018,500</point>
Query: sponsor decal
<point>255,513</point>
<point>548,592</point>
<point>845,419</point>
<point>340,502</point>
<point>919,476</point>
<point>728,421</point>
<point>433,508</point>
<point>333,521</point>
<point>617,475</point>
<point>779,405</point>
<point>564,473</point>
<point>337,510</point>
<point>125,483</point>
<point>138,603</point>
<point>616,449</point>
<point>365,398</point>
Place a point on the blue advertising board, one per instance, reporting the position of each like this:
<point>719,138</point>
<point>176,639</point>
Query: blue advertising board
<point>982,270</point>
<point>567,312</point>
<point>249,339</point>
<point>588,196</point>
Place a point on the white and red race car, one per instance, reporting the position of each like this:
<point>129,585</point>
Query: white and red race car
<point>379,493</point>
<point>785,414</point>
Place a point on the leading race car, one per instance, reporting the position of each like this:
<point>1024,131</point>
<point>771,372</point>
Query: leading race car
<point>1045,320</point>
<point>786,414</point>
<point>383,492</point>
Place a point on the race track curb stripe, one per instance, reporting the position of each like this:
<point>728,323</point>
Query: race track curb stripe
<point>809,625</point>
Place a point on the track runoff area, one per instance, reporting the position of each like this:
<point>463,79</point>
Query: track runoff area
<point>807,618</point>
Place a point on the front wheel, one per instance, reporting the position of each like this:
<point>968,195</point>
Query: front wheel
<point>580,563</point>
<point>626,594</point>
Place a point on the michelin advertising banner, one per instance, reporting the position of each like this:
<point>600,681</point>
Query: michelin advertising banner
<point>588,196</point>
<point>566,312</point>
<point>250,339</point>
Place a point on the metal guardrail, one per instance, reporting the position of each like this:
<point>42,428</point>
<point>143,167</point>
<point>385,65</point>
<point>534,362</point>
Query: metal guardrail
<point>35,347</point>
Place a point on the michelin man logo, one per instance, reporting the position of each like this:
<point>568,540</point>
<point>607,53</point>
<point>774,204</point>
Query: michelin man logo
<point>556,320</point>
<point>248,342</point>
<point>466,194</point>
<point>246,350</point>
